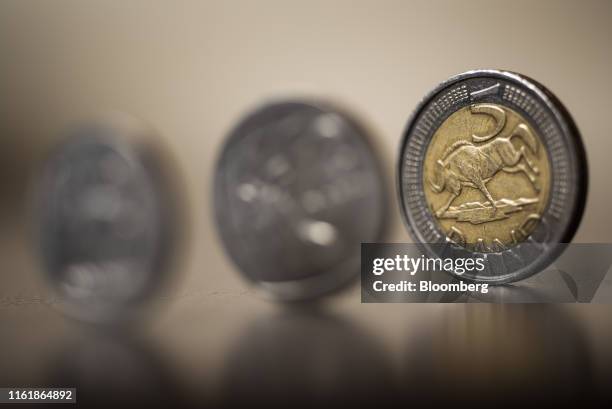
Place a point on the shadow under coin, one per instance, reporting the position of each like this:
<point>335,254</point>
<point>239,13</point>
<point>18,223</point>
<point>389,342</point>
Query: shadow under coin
<point>550,286</point>
<point>305,357</point>
<point>500,353</point>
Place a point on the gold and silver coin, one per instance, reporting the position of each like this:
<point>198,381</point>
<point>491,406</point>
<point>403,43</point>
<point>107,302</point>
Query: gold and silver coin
<point>491,165</point>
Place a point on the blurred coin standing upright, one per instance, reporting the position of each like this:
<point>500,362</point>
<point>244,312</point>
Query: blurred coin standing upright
<point>105,220</point>
<point>297,190</point>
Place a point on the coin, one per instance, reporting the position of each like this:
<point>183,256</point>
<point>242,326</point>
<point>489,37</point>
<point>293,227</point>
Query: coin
<point>492,165</point>
<point>297,189</point>
<point>103,220</point>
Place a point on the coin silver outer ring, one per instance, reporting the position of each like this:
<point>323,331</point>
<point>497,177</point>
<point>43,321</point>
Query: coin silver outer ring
<point>561,232</point>
<point>326,281</point>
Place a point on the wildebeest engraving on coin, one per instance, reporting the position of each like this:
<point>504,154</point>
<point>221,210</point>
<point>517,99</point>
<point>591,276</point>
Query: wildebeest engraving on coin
<point>481,187</point>
<point>103,220</point>
<point>492,165</point>
<point>297,190</point>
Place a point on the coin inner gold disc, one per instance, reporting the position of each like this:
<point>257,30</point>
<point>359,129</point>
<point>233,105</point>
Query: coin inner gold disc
<point>486,177</point>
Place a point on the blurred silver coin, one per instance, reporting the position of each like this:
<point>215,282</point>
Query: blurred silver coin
<point>297,190</point>
<point>102,218</point>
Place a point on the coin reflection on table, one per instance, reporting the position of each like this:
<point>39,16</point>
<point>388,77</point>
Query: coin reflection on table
<point>297,190</point>
<point>116,369</point>
<point>104,219</point>
<point>306,358</point>
<point>480,353</point>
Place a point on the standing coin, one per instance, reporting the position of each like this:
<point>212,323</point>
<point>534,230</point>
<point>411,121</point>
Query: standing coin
<point>492,166</point>
<point>297,190</point>
<point>103,220</point>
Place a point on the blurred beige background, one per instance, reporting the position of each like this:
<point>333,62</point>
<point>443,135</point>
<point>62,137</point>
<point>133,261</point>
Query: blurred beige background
<point>191,69</point>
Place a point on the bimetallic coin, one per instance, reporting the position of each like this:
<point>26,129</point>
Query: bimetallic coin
<point>491,165</point>
<point>103,221</point>
<point>297,190</point>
